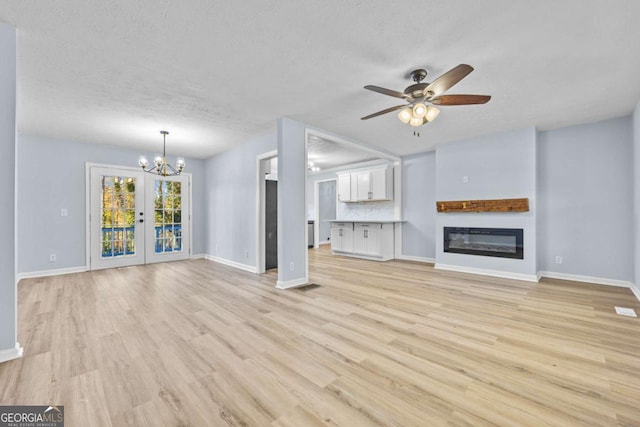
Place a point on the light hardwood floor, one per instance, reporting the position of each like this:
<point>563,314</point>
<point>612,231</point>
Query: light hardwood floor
<point>376,344</point>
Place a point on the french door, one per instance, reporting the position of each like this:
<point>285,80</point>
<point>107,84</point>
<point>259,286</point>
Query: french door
<point>137,218</point>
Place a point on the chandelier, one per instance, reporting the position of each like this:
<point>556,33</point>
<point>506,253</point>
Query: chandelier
<point>160,165</point>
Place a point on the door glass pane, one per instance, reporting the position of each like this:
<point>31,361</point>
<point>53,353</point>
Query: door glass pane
<point>167,217</point>
<point>118,216</point>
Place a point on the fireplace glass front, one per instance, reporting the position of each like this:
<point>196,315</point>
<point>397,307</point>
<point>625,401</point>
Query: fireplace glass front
<point>495,242</point>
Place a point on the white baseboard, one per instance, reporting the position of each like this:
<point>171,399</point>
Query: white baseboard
<point>56,272</point>
<point>11,353</point>
<point>636,290</point>
<point>245,267</point>
<point>328,242</point>
<point>290,284</point>
<point>586,279</point>
<point>199,256</point>
<point>416,258</point>
<point>484,272</point>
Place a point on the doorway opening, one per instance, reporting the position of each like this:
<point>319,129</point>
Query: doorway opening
<point>326,208</point>
<point>267,211</point>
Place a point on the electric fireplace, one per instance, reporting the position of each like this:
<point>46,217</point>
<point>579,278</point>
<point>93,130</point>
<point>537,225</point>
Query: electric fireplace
<point>494,242</point>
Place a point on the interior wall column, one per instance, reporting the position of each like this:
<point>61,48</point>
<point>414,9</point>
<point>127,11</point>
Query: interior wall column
<point>292,213</point>
<point>9,347</point>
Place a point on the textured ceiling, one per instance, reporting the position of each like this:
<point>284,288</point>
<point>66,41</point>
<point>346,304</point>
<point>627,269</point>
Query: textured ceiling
<point>215,73</point>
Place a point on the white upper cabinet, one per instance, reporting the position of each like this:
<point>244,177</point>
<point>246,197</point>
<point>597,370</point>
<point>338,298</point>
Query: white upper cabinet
<point>344,188</point>
<point>363,185</point>
<point>373,184</point>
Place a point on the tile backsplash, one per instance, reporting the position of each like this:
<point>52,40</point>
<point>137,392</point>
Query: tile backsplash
<point>383,210</point>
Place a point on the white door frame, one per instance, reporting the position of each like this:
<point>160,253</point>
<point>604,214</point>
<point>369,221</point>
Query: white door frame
<point>260,207</point>
<point>87,192</point>
<point>316,209</point>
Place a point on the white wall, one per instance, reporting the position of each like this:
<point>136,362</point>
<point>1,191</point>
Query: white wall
<point>498,166</point>
<point>585,189</point>
<point>51,176</point>
<point>7,189</point>
<point>419,205</point>
<point>230,200</point>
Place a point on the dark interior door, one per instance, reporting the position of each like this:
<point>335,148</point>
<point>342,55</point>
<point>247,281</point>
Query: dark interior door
<point>271,225</point>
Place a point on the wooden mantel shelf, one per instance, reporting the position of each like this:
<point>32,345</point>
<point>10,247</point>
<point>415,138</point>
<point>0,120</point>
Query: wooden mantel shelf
<point>497,205</point>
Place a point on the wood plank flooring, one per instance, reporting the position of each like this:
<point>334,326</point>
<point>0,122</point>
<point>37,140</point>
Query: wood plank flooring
<point>376,344</point>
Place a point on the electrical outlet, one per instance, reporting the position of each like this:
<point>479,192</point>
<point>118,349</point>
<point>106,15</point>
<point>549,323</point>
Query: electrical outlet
<point>52,258</point>
<point>465,179</point>
<point>558,260</point>
<point>64,212</point>
<point>291,266</point>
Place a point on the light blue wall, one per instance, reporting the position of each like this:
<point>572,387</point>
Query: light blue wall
<point>230,199</point>
<point>7,186</point>
<point>419,205</point>
<point>636,190</point>
<point>585,188</point>
<point>51,176</point>
<point>498,166</point>
<point>292,209</point>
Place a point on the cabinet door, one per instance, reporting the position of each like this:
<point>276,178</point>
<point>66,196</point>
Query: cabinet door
<point>360,240</point>
<point>363,180</point>
<point>347,238</point>
<point>379,184</point>
<point>344,188</point>
<point>336,239</point>
<point>373,240</point>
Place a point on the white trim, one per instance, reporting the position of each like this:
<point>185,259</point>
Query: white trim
<point>337,138</point>
<point>324,242</point>
<point>11,353</point>
<point>306,224</point>
<point>485,272</point>
<point>290,284</point>
<point>416,259</point>
<point>260,207</point>
<point>636,290</point>
<point>198,256</point>
<point>238,265</point>
<point>586,279</point>
<point>369,164</point>
<point>55,272</point>
<point>397,207</point>
<point>87,213</point>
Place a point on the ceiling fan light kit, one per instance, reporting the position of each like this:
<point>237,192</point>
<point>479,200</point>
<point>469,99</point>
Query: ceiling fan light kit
<point>420,96</point>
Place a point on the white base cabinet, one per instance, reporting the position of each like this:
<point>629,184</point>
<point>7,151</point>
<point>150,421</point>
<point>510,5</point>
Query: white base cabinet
<point>371,240</point>
<point>342,237</point>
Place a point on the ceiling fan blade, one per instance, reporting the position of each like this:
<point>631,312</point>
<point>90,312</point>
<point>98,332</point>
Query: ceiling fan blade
<point>387,91</point>
<point>460,99</point>
<point>447,80</point>
<point>388,110</point>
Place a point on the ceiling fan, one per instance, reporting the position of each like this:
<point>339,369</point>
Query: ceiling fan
<point>421,97</point>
